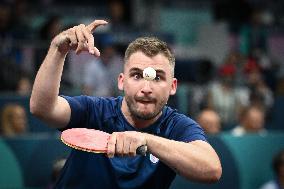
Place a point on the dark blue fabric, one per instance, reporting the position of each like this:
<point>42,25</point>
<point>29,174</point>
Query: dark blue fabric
<point>89,170</point>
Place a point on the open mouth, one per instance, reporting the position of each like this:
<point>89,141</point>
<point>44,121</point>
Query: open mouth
<point>145,102</point>
<point>145,99</point>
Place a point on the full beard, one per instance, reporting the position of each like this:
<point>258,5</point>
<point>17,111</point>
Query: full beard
<point>135,113</point>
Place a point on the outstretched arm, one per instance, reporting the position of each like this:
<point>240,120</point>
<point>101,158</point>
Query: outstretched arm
<point>195,160</point>
<point>45,102</point>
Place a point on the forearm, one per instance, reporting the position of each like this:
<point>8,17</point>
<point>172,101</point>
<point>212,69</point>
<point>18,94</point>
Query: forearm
<point>47,82</point>
<point>195,161</point>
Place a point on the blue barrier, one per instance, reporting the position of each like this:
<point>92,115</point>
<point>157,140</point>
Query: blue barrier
<point>11,175</point>
<point>35,155</point>
<point>253,154</point>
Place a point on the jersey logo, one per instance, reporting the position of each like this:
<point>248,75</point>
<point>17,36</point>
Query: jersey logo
<point>154,159</point>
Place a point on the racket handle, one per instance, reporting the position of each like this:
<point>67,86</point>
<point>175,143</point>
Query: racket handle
<point>141,150</point>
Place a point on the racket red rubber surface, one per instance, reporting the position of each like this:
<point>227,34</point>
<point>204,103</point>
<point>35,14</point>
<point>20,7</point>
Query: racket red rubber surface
<point>89,140</point>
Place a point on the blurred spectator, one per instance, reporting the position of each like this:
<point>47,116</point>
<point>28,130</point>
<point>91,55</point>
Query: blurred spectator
<point>238,60</point>
<point>100,77</point>
<point>251,120</point>
<point>13,120</point>
<point>210,121</point>
<point>225,98</point>
<point>260,61</point>
<point>260,94</point>
<point>278,168</point>
<point>24,87</point>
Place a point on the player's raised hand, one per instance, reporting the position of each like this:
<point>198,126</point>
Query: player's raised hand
<point>78,38</point>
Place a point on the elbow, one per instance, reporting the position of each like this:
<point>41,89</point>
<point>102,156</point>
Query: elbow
<point>214,174</point>
<point>210,175</point>
<point>35,109</point>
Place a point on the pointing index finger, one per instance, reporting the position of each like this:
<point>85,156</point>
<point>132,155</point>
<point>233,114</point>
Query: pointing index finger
<point>92,26</point>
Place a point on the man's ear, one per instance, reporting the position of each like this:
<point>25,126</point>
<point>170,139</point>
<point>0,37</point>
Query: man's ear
<point>173,87</point>
<point>120,80</point>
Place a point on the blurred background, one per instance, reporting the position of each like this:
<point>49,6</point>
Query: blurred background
<point>229,64</point>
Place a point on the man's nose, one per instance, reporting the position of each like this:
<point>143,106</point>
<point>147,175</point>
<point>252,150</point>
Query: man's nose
<point>147,88</point>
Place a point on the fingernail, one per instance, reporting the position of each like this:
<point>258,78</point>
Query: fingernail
<point>92,51</point>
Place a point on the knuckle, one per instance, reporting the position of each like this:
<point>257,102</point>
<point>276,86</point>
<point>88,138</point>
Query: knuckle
<point>111,143</point>
<point>81,43</point>
<point>76,28</point>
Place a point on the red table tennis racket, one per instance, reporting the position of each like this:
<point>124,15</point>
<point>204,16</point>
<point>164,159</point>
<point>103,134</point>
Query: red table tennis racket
<point>91,140</point>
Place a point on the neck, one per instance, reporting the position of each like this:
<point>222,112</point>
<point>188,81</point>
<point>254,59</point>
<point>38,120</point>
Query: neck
<point>134,121</point>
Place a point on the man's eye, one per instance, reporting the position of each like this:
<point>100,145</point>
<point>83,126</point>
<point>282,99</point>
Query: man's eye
<point>137,76</point>
<point>157,78</point>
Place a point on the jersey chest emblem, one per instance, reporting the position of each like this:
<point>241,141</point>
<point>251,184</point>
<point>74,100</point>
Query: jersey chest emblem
<point>154,159</point>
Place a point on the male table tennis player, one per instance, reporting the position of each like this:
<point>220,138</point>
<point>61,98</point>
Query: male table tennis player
<point>176,144</point>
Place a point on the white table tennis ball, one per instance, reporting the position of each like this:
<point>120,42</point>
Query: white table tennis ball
<point>149,73</point>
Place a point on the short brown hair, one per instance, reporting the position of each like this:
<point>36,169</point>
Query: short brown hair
<point>150,46</point>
